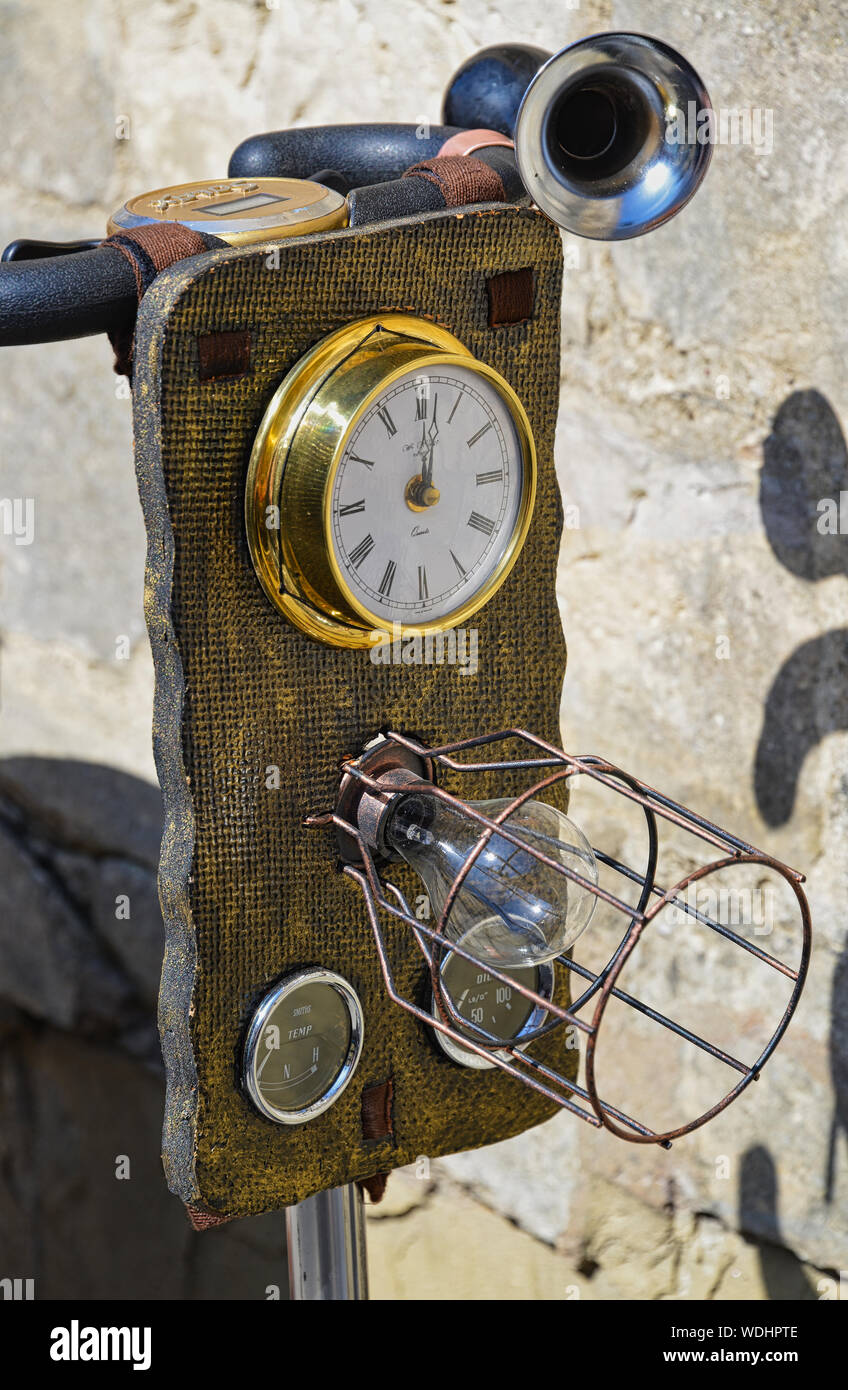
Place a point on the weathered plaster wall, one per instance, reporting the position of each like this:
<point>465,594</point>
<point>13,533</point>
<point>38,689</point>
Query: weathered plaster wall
<point>706,614</point>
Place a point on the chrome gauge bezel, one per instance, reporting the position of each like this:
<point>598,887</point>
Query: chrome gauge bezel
<point>261,1016</point>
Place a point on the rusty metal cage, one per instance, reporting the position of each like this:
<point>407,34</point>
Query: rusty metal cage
<point>385,901</point>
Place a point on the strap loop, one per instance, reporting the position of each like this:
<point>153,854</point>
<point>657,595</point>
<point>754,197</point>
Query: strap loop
<point>150,249</point>
<point>461,179</point>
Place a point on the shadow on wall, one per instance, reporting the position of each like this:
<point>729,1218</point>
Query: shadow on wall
<point>803,480</point>
<point>783,1274</point>
<point>804,502</point>
<point>84,1209</point>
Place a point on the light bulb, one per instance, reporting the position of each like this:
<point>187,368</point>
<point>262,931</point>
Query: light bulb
<point>511,910</point>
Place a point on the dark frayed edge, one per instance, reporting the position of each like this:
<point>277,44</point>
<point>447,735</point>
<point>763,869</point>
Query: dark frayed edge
<point>177,849</point>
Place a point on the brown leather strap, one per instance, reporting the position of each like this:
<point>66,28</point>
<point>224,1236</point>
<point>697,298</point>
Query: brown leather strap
<point>510,297</point>
<point>375,1186</point>
<point>222,356</point>
<point>377,1118</point>
<point>461,179</point>
<point>149,250</point>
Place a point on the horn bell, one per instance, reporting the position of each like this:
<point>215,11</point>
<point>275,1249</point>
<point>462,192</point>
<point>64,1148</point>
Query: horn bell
<point>598,136</point>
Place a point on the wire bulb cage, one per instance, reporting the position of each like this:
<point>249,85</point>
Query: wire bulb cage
<point>368,783</point>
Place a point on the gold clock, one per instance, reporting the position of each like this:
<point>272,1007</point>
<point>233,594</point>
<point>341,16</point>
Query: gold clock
<point>391,484</point>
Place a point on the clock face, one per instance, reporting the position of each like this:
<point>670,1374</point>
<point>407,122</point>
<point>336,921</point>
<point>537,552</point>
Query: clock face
<point>426,497</point>
<point>391,484</point>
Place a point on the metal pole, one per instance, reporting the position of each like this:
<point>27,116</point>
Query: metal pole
<point>326,1246</point>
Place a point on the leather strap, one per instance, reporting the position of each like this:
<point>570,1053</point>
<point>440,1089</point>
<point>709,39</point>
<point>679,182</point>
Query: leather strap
<point>377,1118</point>
<point>461,179</point>
<point>375,1187</point>
<point>149,250</point>
<point>511,297</point>
<point>377,1127</point>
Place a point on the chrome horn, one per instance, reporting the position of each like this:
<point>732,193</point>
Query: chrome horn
<point>606,131</point>
<point>605,138</point>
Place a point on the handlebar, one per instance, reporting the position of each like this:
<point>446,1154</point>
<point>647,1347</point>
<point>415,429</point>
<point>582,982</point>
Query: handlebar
<point>50,298</point>
<point>85,288</point>
<point>362,154</point>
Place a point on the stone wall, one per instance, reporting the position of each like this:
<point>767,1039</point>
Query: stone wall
<point>706,614</point>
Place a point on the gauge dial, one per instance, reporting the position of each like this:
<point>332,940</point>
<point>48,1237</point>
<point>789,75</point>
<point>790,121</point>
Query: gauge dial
<point>398,472</point>
<point>491,1006</point>
<point>303,1045</point>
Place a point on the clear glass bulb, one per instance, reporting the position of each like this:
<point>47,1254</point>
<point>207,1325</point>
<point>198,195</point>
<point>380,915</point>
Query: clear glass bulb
<point>511,910</point>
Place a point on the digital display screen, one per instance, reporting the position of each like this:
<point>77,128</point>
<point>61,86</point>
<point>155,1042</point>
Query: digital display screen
<point>257,200</point>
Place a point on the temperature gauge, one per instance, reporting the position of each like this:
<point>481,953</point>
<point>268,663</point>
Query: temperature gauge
<point>303,1046</point>
<point>491,1006</point>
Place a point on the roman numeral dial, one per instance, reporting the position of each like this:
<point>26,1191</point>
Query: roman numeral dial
<point>437,468</point>
<point>391,481</point>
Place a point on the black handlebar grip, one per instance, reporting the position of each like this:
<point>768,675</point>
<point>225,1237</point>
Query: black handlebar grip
<point>55,297</point>
<point>380,202</point>
<point>360,153</point>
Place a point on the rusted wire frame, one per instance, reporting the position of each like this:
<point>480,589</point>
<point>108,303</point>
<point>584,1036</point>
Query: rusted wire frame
<point>753,1072</point>
<point>701,916</point>
<point>706,830</point>
<point>518,1055</point>
<point>372,889</point>
<point>663,805</point>
<point>634,789</point>
<point>605,982</point>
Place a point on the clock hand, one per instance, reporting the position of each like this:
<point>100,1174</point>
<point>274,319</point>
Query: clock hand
<point>420,493</point>
<point>432,434</point>
<point>427,468</point>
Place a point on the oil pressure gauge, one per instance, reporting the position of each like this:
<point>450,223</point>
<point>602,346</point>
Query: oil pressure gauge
<point>491,1006</point>
<point>303,1046</point>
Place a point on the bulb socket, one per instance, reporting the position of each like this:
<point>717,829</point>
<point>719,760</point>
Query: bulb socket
<point>373,811</point>
<point>397,769</point>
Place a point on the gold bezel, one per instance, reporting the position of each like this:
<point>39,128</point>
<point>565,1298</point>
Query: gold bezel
<point>299,571</point>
